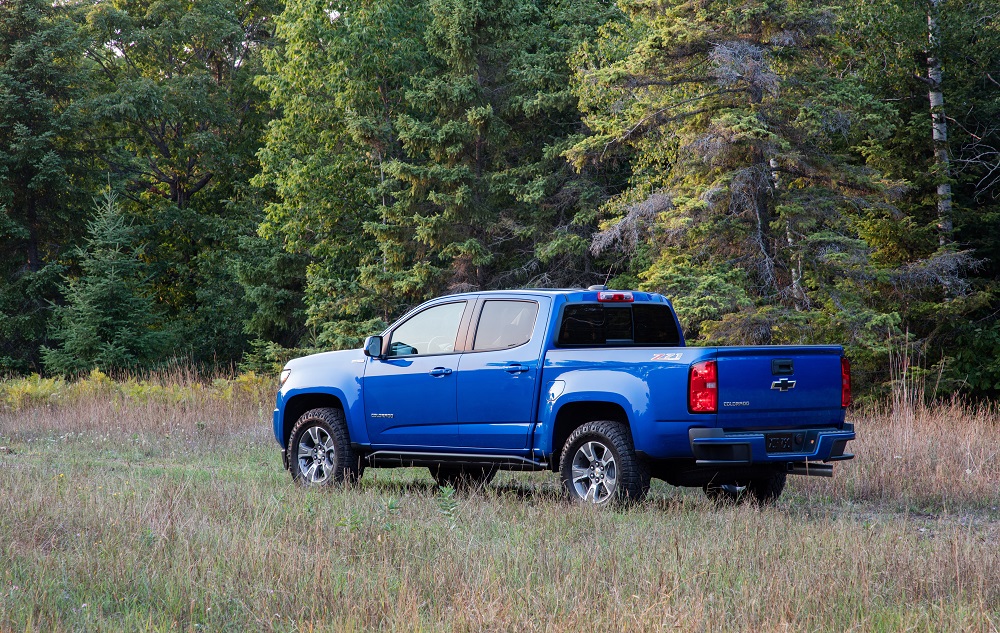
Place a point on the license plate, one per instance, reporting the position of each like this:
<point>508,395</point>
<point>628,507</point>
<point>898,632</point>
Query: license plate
<point>779,443</point>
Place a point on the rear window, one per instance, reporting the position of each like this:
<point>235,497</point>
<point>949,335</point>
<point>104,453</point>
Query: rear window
<point>602,324</point>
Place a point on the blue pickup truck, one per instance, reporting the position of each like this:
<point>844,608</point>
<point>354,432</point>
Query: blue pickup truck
<point>594,384</point>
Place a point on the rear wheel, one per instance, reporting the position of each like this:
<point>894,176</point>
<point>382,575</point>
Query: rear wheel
<point>599,465</point>
<point>762,490</point>
<point>320,450</point>
<point>462,477</point>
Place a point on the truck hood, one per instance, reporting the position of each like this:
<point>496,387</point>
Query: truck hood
<point>339,357</point>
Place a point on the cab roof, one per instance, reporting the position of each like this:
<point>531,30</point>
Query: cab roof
<point>570,294</point>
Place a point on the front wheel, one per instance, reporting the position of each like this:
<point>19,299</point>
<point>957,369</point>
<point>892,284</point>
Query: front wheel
<point>599,465</point>
<point>320,450</point>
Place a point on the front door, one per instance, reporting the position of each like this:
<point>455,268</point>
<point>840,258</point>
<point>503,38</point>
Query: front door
<point>410,395</point>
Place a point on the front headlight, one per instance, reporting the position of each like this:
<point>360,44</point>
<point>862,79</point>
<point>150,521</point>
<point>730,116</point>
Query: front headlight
<point>285,373</point>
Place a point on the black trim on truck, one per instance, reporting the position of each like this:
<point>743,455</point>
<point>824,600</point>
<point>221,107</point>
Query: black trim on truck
<point>406,459</point>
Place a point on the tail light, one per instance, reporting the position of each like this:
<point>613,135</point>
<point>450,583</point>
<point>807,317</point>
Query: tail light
<point>845,382</point>
<point>703,387</point>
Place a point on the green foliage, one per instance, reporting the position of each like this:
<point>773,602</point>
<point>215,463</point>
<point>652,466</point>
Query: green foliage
<point>267,358</point>
<point>300,174</point>
<point>481,198</point>
<point>952,321</point>
<point>110,320</point>
<point>755,195</point>
<point>42,167</point>
<point>177,98</point>
<point>419,152</point>
<point>339,81</point>
<point>272,280</point>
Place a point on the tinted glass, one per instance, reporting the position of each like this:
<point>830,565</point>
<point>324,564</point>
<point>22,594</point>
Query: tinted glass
<point>638,324</point>
<point>618,324</point>
<point>582,325</point>
<point>505,324</point>
<point>432,331</point>
<point>654,325</point>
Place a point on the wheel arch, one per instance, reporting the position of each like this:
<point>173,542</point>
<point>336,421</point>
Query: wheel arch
<point>572,415</point>
<point>299,404</point>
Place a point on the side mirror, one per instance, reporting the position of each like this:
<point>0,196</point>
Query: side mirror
<point>373,346</point>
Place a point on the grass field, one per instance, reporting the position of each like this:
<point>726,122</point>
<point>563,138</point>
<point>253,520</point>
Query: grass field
<point>157,507</point>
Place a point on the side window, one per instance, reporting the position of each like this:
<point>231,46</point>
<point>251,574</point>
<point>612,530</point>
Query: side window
<point>505,324</point>
<point>432,331</point>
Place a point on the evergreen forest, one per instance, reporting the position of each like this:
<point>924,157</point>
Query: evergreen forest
<point>224,184</point>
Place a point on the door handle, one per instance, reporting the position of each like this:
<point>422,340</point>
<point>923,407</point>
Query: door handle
<point>440,371</point>
<point>515,368</point>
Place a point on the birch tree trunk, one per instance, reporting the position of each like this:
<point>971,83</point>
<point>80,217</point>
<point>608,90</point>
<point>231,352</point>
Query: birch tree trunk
<point>795,259</point>
<point>939,125</point>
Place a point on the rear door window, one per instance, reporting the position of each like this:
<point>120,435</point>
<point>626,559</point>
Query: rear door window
<point>504,324</point>
<point>616,325</point>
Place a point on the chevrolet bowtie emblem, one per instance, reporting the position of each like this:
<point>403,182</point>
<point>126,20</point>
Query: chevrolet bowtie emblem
<point>783,385</point>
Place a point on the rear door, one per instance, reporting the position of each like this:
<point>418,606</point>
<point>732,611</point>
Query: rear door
<point>498,374</point>
<point>410,395</point>
<point>774,387</point>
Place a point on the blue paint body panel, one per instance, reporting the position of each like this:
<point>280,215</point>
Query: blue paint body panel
<point>422,404</point>
<point>508,401</point>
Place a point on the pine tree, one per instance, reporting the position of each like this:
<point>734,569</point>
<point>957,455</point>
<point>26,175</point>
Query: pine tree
<point>419,151</point>
<point>747,189</point>
<point>482,198</point>
<point>110,320</point>
<point>339,80</point>
<point>177,103</point>
<point>935,63</point>
<point>43,74</point>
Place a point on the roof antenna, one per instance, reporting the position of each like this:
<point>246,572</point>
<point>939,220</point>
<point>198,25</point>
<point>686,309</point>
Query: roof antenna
<point>608,276</point>
<point>603,286</point>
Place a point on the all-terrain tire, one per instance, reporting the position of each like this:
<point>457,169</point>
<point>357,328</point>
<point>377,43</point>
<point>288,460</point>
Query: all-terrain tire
<point>319,449</point>
<point>763,490</point>
<point>599,465</point>
<point>462,477</point>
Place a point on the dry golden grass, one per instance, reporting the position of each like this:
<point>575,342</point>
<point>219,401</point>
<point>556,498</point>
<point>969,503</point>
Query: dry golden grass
<point>940,459</point>
<point>170,511</point>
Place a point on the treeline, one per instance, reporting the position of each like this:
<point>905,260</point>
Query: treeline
<point>228,182</point>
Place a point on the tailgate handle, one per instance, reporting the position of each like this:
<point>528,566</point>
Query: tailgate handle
<point>782,367</point>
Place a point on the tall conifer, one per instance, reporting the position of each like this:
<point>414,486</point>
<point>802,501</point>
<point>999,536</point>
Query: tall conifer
<point>110,320</point>
<point>43,74</point>
<point>746,190</point>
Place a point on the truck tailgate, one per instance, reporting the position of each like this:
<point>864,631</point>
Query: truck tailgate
<point>779,387</point>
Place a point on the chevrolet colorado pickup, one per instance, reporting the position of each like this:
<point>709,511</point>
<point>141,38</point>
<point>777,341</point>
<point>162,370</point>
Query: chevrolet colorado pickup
<point>594,384</point>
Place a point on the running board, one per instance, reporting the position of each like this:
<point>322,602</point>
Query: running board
<point>405,459</point>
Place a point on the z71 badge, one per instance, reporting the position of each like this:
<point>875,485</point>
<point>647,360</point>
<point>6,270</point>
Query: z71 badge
<point>673,356</point>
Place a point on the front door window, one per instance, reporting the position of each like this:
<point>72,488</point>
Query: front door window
<point>432,331</point>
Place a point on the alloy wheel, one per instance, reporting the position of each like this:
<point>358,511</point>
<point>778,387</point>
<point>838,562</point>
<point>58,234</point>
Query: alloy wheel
<point>594,472</point>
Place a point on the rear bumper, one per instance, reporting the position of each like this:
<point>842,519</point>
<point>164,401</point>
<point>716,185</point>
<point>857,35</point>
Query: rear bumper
<point>715,447</point>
